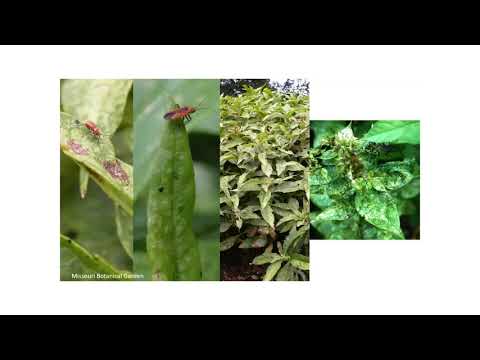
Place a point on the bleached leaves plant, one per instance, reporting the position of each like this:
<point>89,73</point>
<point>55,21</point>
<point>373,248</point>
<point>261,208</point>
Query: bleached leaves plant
<point>364,177</point>
<point>264,141</point>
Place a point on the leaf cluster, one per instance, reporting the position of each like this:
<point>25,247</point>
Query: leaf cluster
<point>264,179</point>
<point>365,177</point>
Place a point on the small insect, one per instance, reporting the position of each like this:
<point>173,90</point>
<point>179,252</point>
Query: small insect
<point>181,112</point>
<point>93,128</point>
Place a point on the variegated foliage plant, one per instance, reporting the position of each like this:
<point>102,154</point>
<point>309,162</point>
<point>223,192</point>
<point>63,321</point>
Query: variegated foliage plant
<point>264,141</point>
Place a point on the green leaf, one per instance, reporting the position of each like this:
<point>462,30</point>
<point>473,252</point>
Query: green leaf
<point>268,216</point>
<point>272,270</point>
<point>321,200</point>
<point>124,224</point>
<point>300,262</point>
<point>394,132</point>
<point>286,273</point>
<point>290,186</point>
<point>379,209</point>
<point>411,190</point>
<point>266,167</point>
<point>92,261</point>
<point>266,258</point>
<point>100,101</point>
<point>264,198</point>
<point>113,176</point>
<point>167,181</point>
<point>336,212</point>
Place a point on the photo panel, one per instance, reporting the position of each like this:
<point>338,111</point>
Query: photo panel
<point>96,180</point>
<point>185,180</point>
<point>264,206</point>
<point>176,223</point>
<point>365,180</point>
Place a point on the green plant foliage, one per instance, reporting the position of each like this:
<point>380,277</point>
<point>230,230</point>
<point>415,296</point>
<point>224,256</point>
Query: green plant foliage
<point>96,214</point>
<point>92,261</point>
<point>362,187</point>
<point>264,178</point>
<point>176,207</point>
<point>103,102</point>
<point>394,132</point>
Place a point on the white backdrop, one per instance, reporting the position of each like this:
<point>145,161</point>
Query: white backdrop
<point>440,274</point>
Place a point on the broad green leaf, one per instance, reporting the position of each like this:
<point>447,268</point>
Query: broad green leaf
<point>100,101</point>
<point>321,200</point>
<point>113,176</point>
<point>394,132</point>
<point>336,212</point>
<point>379,209</point>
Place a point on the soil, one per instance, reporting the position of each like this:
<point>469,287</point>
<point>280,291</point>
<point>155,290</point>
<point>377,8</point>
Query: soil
<point>235,265</point>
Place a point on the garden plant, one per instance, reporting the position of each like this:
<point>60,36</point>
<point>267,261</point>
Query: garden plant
<point>365,180</point>
<point>264,206</point>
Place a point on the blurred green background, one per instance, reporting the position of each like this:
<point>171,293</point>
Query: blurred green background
<point>151,100</point>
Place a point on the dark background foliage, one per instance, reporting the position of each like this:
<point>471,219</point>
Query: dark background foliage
<point>235,87</point>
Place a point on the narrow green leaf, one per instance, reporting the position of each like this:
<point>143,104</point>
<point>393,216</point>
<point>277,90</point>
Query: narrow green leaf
<point>266,167</point>
<point>300,261</point>
<point>171,245</point>
<point>266,258</point>
<point>268,216</point>
<point>272,270</point>
<point>92,261</point>
<point>264,198</point>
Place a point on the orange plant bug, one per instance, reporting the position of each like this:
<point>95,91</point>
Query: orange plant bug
<point>94,130</point>
<point>181,112</point>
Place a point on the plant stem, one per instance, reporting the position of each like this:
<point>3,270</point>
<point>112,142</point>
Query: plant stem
<point>92,261</point>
